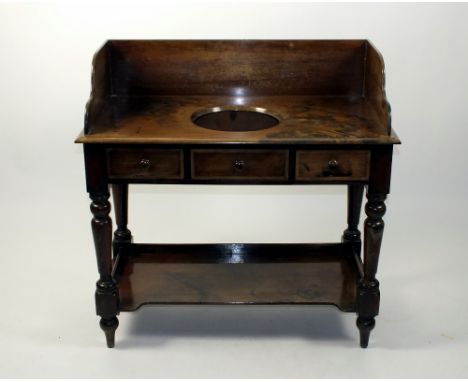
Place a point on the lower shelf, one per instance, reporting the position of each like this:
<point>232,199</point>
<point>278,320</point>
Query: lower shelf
<point>237,274</point>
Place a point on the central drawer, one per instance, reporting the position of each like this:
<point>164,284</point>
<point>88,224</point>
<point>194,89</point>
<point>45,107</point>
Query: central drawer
<point>233,164</point>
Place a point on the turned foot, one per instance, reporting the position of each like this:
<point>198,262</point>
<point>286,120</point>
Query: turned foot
<point>365,326</point>
<point>107,307</point>
<point>109,326</point>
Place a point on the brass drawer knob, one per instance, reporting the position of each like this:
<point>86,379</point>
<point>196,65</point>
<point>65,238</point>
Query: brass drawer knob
<point>145,163</point>
<point>238,165</point>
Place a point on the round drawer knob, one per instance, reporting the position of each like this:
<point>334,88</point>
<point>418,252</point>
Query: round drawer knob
<point>238,164</point>
<point>333,164</point>
<point>145,163</point>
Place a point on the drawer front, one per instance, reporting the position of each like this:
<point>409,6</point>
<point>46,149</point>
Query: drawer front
<point>240,164</point>
<point>332,165</point>
<point>145,164</point>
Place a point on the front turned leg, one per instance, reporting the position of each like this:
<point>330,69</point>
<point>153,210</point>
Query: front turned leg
<point>107,296</point>
<point>368,298</point>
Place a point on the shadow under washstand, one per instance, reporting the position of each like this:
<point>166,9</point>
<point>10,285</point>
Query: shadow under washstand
<point>154,325</point>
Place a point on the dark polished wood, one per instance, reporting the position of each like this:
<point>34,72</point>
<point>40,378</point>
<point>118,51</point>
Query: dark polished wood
<point>122,234</point>
<point>352,234</point>
<point>131,163</point>
<point>237,274</point>
<point>322,92</point>
<point>209,67</point>
<point>106,289</point>
<point>333,164</point>
<point>161,119</point>
<point>240,164</point>
<point>368,299</point>
<point>238,112</point>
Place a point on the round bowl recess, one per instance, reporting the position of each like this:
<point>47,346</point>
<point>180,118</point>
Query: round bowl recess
<point>234,119</point>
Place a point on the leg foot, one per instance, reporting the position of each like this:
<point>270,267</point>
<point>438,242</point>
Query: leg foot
<point>365,326</point>
<point>107,307</point>
<point>109,326</point>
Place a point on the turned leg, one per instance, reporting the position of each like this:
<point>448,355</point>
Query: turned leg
<point>122,234</point>
<point>368,298</point>
<point>351,234</point>
<point>106,289</point>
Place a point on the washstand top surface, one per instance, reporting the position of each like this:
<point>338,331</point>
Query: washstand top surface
<point>238,91</point>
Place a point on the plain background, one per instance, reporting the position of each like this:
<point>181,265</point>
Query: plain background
<point>48,326</point>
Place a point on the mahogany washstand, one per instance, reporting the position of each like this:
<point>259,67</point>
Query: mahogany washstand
<point>238,112</point>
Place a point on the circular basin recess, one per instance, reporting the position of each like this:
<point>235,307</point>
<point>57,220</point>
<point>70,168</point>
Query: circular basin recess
<point>234,119</point>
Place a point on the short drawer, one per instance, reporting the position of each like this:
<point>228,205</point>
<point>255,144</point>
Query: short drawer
<point>332,165</point>
<point>145,163</point>
<point>240,164</point>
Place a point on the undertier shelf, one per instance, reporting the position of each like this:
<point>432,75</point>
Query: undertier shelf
<point>237,274</point>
